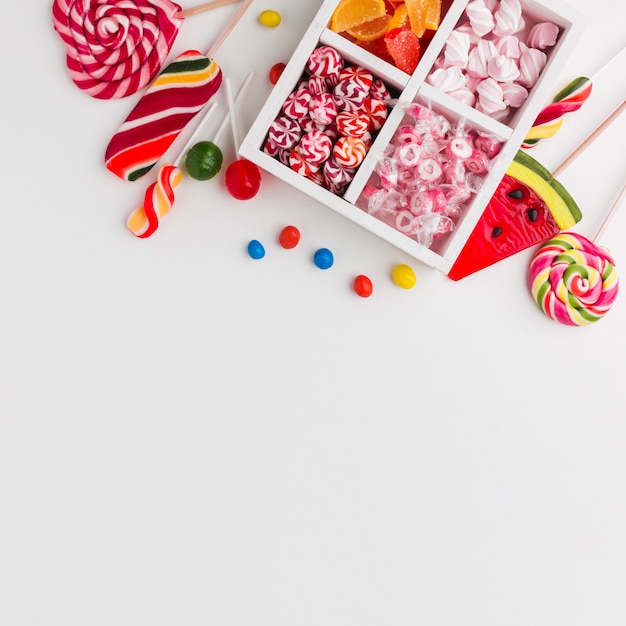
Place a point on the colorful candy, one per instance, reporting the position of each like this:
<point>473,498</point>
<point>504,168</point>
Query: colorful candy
<point>203,160</point>
<point>289,237</point>
<point>275,72</point>
<point>362,286</point>
<point>572,280</point>
<point>172,100</point>
<point>115,48</point>
<point>255,249</point>
<point>549,121</point>
<point>269,18</point>
<point>158,201</point>
<point>404,276</point>
<point>323,258</point>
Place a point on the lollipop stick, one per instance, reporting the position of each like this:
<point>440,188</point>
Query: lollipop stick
<point>233,117</point>
<point>587,142</point>
<point>238,98</point>
<point>207,6</point>
<point>610,214</point>
<point>194,135</point>
<point>224,34</point>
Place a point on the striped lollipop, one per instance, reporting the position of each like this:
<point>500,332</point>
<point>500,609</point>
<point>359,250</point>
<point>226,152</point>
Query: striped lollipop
<point>116,47</point>
<point>550,119</point>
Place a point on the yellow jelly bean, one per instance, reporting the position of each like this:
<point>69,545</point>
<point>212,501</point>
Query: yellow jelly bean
<point>404,276</point>
<point>269,18</point>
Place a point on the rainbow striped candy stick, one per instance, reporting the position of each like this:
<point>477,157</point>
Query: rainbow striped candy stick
<point>172,100</point>
<point>550,119</point>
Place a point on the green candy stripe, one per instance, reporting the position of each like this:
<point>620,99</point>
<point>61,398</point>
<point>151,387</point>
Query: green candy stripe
<point>187,65</point>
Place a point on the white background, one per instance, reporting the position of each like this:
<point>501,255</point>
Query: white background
<point>190,437</point>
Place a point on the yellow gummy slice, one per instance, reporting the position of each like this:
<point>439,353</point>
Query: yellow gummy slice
<point>433,15</point>
<point>417,15</point>
<point>400,18</point>
<point>352,13</point>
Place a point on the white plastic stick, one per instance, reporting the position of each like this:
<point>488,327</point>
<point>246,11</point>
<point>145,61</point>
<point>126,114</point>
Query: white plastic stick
<point>194,135</point>
<point>207,6</point>
<point>238,98</point>
<point>233,116</point>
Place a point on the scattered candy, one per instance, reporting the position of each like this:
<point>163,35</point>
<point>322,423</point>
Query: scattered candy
<point>289,237</point>
<point>275,72</point>
<point>243,179</point>
<point>256,249</point>
<point>404,276</point>
<point>270,18</point>
<point>323,258</point>
<point>362,286</point>
<point>573,280</point>
<point>204,160</point>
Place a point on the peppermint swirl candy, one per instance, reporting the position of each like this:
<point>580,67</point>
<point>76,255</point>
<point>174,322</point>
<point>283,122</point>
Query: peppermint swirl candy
<point>573,280</point>
<point>115,47</point>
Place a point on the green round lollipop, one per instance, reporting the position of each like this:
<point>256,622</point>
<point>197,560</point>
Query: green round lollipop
<point>203,160</point>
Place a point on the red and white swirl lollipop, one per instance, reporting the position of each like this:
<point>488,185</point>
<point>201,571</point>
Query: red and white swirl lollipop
<point>116,47</point>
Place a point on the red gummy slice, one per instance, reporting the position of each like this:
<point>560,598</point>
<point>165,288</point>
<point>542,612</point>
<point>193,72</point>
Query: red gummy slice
<point>404,48</point>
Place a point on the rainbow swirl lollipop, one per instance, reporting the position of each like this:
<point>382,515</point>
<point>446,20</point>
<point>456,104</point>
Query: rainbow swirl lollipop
<point>573,280</point>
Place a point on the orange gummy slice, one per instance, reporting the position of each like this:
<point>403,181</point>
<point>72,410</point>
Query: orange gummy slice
<point>352,13</point>
<point>372,30</point>
<point>423,14</point>
<point>400,18</point>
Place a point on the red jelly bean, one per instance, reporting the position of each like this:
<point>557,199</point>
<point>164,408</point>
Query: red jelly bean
<point>275,71</point>
<point>243,179</point>
<point>289,237</point>
<point>363,286</point>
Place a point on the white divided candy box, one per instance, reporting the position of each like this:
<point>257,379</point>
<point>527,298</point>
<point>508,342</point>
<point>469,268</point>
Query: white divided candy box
<point>474,116</point>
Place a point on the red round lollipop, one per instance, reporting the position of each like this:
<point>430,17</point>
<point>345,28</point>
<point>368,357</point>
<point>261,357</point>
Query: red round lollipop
<point>243,178</point>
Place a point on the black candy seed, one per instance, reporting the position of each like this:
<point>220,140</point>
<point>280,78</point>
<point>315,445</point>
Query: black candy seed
<point>516,194</point>
<point>496,232</point>
<point>533,214</point>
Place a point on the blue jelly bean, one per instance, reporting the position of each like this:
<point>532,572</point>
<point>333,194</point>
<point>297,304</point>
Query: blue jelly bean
<point>323,258</point>
<point>256,249</point>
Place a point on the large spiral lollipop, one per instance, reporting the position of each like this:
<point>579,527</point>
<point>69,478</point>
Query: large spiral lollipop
<point>116,47</point>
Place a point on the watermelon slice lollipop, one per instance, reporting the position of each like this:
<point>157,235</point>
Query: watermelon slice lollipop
<point>528,207</point>
<point>116,47</point>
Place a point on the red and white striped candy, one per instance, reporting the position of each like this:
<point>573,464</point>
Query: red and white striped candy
<point>307,124</point>
<point>269,147</point>
<point>300,165</point>
<point>325,61</point>
<point>352,123</point>
<point>317,84</point>
<point>379,91</point>
<point>284,132</point>
<point>349,151</point>
<point>349,95</point>
<point>336,174</point>
<point>296,105</point>
<point>357,74</point>
<point>315,146</point>
<point>318,178</point>
<point>376,111</point>
<point>322,108</point>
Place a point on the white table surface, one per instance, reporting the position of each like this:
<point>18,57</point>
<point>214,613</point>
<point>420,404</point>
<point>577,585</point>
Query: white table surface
<point>191,437</point>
